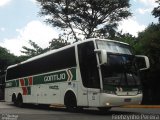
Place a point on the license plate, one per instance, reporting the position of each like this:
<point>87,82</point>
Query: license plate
<point>127,100</point>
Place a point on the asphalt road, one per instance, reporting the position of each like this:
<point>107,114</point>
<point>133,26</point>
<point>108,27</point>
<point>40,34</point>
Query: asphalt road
<point>33,112</point>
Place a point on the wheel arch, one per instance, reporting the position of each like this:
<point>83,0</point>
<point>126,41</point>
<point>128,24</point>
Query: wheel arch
<point>70,93</point>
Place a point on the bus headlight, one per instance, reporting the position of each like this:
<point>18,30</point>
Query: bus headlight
<point>107,104</point>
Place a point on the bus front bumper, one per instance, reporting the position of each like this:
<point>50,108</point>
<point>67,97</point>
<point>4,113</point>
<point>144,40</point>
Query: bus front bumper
<point>112,100</point>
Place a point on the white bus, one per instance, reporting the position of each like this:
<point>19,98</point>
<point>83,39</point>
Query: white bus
<point>92,73</point>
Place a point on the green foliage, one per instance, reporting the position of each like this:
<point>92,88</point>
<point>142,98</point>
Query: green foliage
<point>35,50</point>
<point>6,58</point>
<point>149,41</point>
<point>22,58</point>
<point>57,43</point>
<point>149,44</point>
<point>127,38</point>
<point>156,10</point>
<point>108,31</point>
<point>90,17</point>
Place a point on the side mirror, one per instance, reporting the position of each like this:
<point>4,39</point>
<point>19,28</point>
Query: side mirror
<point>102,56</point>
<point>142,62</point>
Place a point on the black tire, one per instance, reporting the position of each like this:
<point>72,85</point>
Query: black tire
<point>14,98</point>
<point>19,101</point>
<point>70,101</point>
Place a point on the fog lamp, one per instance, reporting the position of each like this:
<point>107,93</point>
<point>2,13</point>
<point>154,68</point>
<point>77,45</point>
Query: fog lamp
<point>107,104</point>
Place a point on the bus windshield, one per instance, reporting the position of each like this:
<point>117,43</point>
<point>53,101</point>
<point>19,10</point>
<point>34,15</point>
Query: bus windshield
<point>114,47</point>
<point>120,70</point>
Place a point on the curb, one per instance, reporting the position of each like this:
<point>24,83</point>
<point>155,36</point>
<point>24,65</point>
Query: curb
<point>140,106</point>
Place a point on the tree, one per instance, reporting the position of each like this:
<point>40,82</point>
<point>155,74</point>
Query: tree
<point>127,38</point>
<point>149,44</point>
<point>156,10</point>
<point>6,58</point>
<point>57,43</point>
<point>35,50</point>
<point>89,17</point>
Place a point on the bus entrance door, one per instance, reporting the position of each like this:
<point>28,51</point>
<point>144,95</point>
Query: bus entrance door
<point>93,97</point>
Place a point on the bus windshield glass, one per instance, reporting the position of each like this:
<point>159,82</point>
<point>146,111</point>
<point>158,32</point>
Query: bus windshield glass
<point>114,47</point>
<point>120,69</point>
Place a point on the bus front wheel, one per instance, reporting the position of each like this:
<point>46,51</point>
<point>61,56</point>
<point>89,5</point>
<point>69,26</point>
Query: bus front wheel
<point>70,101</point>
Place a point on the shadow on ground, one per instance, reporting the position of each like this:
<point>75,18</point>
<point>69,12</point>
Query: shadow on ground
<point>89,111</point>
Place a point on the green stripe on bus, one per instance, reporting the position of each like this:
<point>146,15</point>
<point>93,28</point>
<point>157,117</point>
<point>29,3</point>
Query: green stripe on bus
<point>26,82</point>
<point>29,90</point>
<point>60,76</point>
<point>12,83</point>
<point>50,78</point>
<point>17,83</point>
<point>73,71</point>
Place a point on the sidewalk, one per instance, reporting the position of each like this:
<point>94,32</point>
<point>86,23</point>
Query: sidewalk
<point>140,106</point>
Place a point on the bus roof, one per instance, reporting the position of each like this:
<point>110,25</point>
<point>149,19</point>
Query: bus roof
<point>60,49</point>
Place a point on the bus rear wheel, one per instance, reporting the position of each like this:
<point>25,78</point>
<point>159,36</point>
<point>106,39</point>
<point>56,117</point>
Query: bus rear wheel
<point>19,101</point>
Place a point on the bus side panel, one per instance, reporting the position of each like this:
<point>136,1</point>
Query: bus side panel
<point>53,93</point>
<point>48,93</point>
<point>8,95</point>
<point>31,97</point>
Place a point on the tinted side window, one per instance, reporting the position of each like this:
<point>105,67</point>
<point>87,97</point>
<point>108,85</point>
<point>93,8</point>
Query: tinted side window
<point>88,65</point>
<point>60,60</point>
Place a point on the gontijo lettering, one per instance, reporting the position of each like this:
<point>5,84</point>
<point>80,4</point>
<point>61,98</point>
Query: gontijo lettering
<point>56,77</point>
